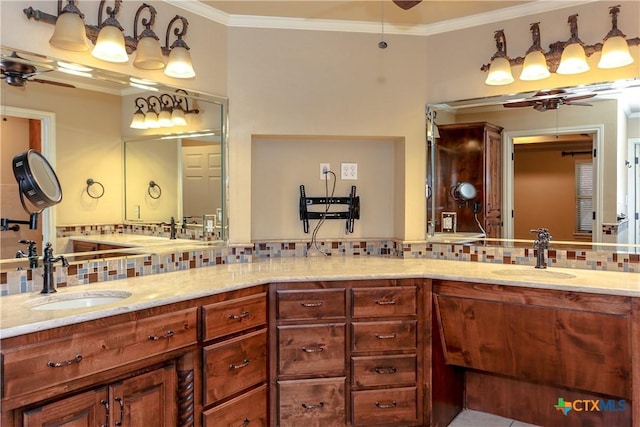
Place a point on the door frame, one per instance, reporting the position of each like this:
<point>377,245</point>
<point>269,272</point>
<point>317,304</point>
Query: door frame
<point>508,172</point>
<point>48,141</point>
<point>633,190</point>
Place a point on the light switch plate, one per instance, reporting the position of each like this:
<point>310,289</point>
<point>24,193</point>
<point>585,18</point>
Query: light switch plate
<point>349,171</point>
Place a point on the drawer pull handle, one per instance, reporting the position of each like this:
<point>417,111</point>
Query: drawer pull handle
<point>244,363</point>
<point>316,406</point>
<point>76,359</point>
<point>245,423</point>
<point>239,316</point>
<point>169,334</point>
<point>384,371</point>
<point>312,304</point>
<point>106,410</point>
<point>388,405</point>
<point>121,402</point>
<point>386,337</point>
<point>316,349</point>
<point>390,302</point>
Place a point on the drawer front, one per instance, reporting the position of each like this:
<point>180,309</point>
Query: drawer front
<point>249,409</point>
<point>313,349</point>
<point>384,336</point>
<point>311,304</point>
<point>391,370</point>
<point>228,317</point>
<point>53,362</point>
<point>312,403</point>
<point>388,407</point>
<point>384,302</point>
<point>234,365</point>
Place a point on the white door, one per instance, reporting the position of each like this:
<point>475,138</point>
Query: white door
<point>201,178</point>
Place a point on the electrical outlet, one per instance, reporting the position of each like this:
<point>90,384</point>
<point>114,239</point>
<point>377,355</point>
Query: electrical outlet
<point>349,171</point>
<point>324,168</point>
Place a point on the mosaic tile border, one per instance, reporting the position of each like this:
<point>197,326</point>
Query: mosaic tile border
<point>85,273</point>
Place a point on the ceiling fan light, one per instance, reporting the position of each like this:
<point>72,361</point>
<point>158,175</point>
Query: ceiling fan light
<point>179,65</point>
<point>149,54</point>
<point>534,67</point>
<point>138,121</point>
<point>573,60</point>
<point>615,53</point>
<point>499,72</point>
<point>110,45</point>
<point>70,33</point>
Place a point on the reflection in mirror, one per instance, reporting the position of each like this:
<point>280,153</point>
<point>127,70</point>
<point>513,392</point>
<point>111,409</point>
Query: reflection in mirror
<point>562,159</point>
<point>85,134</point>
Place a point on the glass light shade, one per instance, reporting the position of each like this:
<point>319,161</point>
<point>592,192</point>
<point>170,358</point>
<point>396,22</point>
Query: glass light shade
<point>110,45</point>
<point>151,120</point>
<point>138,121</point>
<point>178,118</point>
<point>573,60</point>
<point>499,72</point>
<point>164,119</point>
<point>615,53</point>
<point>149,54</point>
<point>179,65</point>
<point>534,66</point>
<point>70,33</point>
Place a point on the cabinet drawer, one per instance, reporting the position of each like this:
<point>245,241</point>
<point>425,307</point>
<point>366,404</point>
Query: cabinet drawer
<point>391,370</point>
<point>311,304</point>
<point>249,409</point>
<point>384,302</point>
<point>384,336</point>
<point>46,364</point>
<point>227,317</point>
<point>385,407</point>
<point>312,403</point>
<point>234,365</point>
<point>312,349</point>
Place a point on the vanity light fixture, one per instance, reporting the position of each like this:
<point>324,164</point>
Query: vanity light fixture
<point>179,64</point>
<point>563,57</point>
<point>163,111</point>
<point>500,68</point>
<point>112,45</point>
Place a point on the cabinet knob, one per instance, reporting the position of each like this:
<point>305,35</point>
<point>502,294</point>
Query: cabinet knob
<point>245,423</point>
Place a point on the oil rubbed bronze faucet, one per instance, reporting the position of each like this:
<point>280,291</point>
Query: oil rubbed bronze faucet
<point>32,253</point>
<point>543,237</point>
<point>48,260</point>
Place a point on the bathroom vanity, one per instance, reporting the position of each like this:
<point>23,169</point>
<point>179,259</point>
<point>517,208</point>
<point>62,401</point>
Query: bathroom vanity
<point>357,341</point>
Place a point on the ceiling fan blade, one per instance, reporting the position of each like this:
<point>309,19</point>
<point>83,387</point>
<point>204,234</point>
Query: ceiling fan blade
<point>406,5</point>
<point>578,97</point>
<point>585,104</point>
<point>51,82</point>
<point>518,104</point>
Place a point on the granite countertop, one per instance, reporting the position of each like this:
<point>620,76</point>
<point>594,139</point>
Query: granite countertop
<point>18,318</point>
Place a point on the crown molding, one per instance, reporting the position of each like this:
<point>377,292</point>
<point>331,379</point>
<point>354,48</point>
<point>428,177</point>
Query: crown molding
<point>283,23</point>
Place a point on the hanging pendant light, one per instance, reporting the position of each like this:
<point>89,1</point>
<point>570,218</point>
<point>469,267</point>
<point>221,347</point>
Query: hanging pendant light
<point>615,51</point>
<point>148,51</point>
<point>179,64</point>
<point>70,33</point>
<point>573,59</point>
<point>110,45</point>
<point>535,63</point>
<point>500,68</point>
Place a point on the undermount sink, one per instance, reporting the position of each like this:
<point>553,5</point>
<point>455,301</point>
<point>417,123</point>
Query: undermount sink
<point>533,273</point>
<point>77,300</point>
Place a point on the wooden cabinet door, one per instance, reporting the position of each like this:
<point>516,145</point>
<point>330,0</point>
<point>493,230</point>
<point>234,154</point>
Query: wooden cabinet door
<point>493,180</point>
<point>145,400</point>
<point>88,409</point>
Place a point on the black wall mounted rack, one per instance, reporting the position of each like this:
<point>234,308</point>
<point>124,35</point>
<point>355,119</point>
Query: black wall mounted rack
<point>351,214</point>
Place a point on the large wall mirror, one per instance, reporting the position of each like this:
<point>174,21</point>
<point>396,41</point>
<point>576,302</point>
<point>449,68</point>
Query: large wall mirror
<point>81,119</point>
<point>562,159</point>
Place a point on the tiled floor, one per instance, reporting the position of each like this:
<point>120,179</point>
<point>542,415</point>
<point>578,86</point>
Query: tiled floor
<point>469,418</point>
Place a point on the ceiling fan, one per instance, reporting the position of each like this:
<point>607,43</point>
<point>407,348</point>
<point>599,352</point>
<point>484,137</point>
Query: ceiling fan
<point>551,100</point>
<point>17,72</point>
<point>406,5</point>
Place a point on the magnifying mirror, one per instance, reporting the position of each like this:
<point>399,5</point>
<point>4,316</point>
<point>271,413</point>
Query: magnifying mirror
<point>463,192</point>
<point>38,182</point>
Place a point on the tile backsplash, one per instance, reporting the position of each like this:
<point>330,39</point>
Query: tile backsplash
<point>99,270</point>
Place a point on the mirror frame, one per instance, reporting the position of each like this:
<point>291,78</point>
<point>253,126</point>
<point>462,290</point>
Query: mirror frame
<point>431,111</point>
